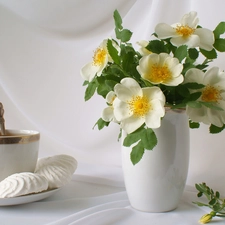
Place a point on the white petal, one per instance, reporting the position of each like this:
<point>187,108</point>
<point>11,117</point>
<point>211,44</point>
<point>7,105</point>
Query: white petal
<point>172,61</point>
<point>89,71</point>
<point>143,51</point>
<point>212,76</point>
<point>164,31</point>
<point>121,110</point>
<point>127,88</point>
<point>174,82</point>
<point>194,75</point>
<point>153,118</point>
<point>154,93</point>
<point>196,115</point>
<point>176,70</point>
<point>132,123</point>
<point>216,117</point>
<point>164,58</point>
<point>206,37</point>
<point>123,93</point>
<point>107,114</point>
<point>192,41</point>
<point>190,19</point>
<point>146,62</point>
<point>110,97</point>
<point>132,85</point>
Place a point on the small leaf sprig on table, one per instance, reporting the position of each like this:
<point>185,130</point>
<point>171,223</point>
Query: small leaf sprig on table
<point>215,202</point>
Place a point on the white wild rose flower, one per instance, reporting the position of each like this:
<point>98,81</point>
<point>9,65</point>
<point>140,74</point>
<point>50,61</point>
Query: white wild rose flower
<point>186,33</point>
<point>135,106</point>
<point>161,69</point>
<point>213,92</point>
<point>100,60</point>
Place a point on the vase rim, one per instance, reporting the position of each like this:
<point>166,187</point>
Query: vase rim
<point>178,110</point>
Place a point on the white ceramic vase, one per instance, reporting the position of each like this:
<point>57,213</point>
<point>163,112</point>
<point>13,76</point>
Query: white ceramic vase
<point>156,183</point>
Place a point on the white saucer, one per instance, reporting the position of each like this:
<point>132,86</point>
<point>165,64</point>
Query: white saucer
<point>27,198</point>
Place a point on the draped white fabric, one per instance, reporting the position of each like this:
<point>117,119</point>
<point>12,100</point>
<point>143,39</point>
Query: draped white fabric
<point>43,45</point>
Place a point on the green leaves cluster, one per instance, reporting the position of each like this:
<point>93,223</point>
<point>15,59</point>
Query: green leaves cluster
<point>215,202</point>
<point>219,43</point>
<point>142,139</point>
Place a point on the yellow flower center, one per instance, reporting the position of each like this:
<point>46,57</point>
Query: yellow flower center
<point>160,74</point>
<point>184,31</point>
<point>99,56</point>
<point>210,94</point>
<point>139,105</point>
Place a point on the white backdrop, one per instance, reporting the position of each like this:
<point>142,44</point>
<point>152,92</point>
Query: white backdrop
<point>43,45</point>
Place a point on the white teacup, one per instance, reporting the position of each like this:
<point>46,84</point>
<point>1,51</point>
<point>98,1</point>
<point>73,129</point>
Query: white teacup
<point>18,152</point>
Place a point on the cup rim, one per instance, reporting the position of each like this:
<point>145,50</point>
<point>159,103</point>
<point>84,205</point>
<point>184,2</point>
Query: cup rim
<point>19,136</point>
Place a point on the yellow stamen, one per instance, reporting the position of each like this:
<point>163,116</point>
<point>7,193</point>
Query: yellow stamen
<point>184,31</point>
<point>99,56</point>
<point>160,74</point>
<point>139,105</point>
<point>112,100</point>
<point>210,94</point>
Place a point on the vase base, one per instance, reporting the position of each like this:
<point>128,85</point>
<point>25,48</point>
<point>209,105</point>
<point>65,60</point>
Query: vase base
<point>153,210</point>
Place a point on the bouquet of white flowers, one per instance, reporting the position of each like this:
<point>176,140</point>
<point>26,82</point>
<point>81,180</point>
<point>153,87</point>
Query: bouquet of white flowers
<point>171,70</point>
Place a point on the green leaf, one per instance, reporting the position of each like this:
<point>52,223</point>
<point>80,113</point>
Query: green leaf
<point>132,138</point>
<point>220,29</point>
<point>202,66</point>
<point>193,125</point>
<point>113,52</point>
<point>217,194</point>
<point>209,54</point>
<point>137,153</point>
<point>111,84</point>
<point>122,34</point>
<point>199,194</point>
<point>187,66</point>
<point>219,44</point>
<point>200,204</point>
<point>148,139</point>
<point>117,32</point>
<point>90,90</point>
<point>200,187</point>
<point>145,139</point>
<point>181,52</point>
<point>194,104</point>
<point>129,63</point>
<point>215,130</point>
<point>183,90</point>
<point>211,106</point>
<point>157,46</point>
<point>125,35</point>
<point>103,90</point>
<point>194,85</point>
<point>212,202</point>
<point>101,124</point>
<point>194,96</point>
<point>118,20</point>
<point>193,53</point>
<point>217,207</point>
<point>86,82</point>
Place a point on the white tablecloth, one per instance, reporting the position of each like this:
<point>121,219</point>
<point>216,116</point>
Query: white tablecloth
<point>99,201</point>
<point>43,45</point>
